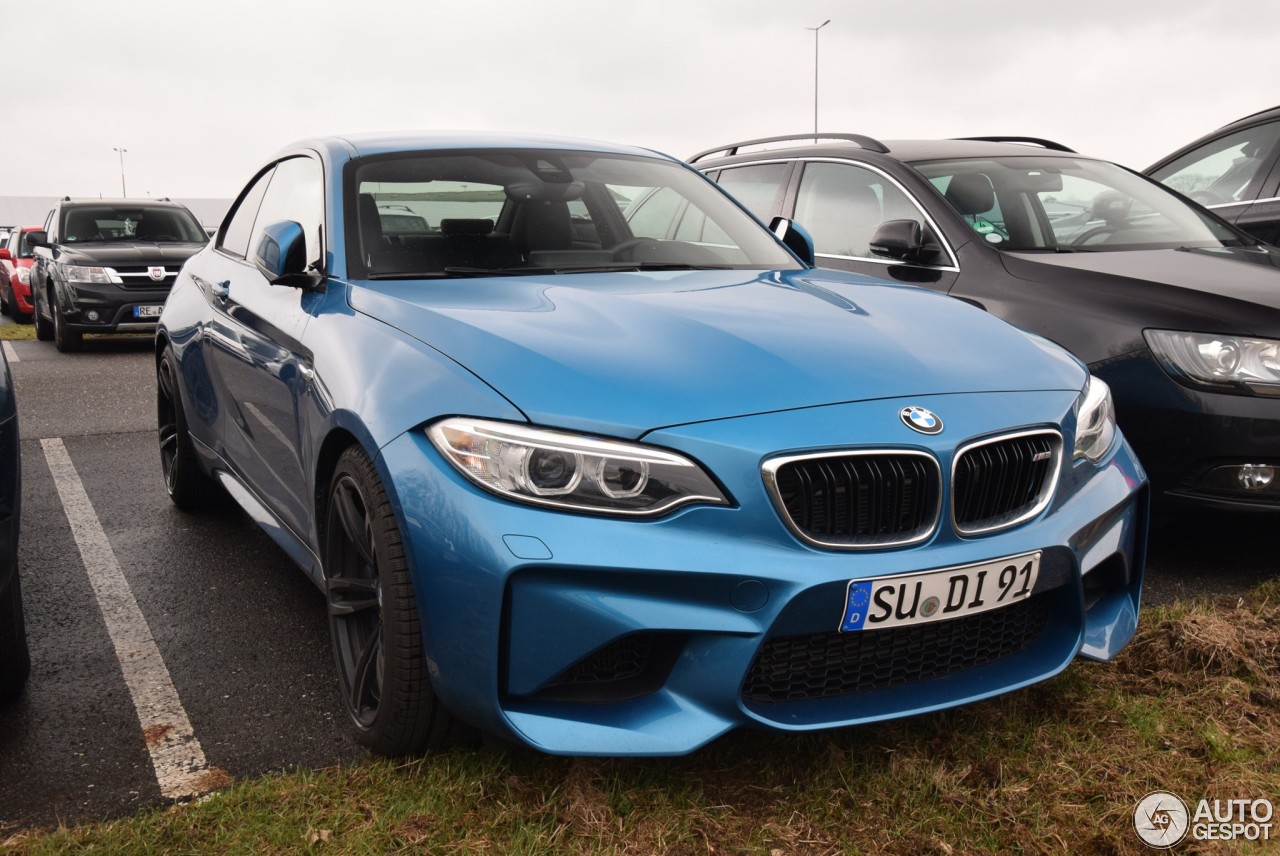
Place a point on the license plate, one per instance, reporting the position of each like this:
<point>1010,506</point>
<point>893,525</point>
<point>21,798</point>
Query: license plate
<point>147,311</point>
<point>939,595</point>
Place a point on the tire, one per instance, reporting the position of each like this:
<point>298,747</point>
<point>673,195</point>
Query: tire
<point>373,618</point>
<point>189,487</point>
<point>64,340</point>
<point>44,329</point>
<point>15,659</point>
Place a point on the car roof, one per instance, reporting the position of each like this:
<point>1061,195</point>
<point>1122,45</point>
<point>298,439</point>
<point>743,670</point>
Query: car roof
<point>1252,118</point>
<point>908,151</point>
<point>371,144</point>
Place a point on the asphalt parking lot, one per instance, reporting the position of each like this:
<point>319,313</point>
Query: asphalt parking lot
<point>238,632</point>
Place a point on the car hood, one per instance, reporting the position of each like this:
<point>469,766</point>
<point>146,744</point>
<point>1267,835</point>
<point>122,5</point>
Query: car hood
<point>624,353</point>
<point>1242,273</point>
<point>132,253</point>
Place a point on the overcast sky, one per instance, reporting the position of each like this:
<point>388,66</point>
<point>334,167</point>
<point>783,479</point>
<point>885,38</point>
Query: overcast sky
<point>202,93</point>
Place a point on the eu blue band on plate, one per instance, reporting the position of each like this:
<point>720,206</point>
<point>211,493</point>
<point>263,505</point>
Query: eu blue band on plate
<point>855,610</point>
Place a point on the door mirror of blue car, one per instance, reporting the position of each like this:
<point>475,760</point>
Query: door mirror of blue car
<point>281,256</point>
<point>795,238</point>
<point>898,239</point>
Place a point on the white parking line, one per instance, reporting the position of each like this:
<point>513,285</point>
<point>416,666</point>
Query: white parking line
<point>180,765</point>
<point>10,354</point>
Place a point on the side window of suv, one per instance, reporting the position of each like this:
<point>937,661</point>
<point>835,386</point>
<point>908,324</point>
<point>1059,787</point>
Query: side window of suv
<point>296,193</point>
<point>759,188</point>
<point>842,205</point>
<point>1225,170</point>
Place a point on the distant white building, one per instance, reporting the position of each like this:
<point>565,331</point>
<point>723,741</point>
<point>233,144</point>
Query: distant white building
<point>31,210</point>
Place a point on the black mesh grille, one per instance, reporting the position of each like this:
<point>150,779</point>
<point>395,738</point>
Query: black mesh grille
<point>821,665</point>
<point>860,499</point>
<point>626,668</point>
<point>997,483</point>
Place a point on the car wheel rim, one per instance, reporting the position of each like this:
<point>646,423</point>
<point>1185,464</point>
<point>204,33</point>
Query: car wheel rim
<point>355,601</point>
<point>168,422</point>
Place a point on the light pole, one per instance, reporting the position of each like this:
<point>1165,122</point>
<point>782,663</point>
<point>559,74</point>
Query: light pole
<point>815,74</point>
<point>122,151</point>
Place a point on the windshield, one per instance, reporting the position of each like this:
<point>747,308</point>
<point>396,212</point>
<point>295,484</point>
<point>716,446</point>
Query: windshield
<point>507,213</point>
<point>129,223</point>
<point>1069,205</point>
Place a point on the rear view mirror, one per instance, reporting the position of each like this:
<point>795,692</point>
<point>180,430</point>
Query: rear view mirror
<point>1035,181</point>
<point>4,255</point>
<point>795,238</point>
<point>36,239</point>
<point>902,240</point>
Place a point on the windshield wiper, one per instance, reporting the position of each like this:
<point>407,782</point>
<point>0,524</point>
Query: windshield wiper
<point>637,266</point>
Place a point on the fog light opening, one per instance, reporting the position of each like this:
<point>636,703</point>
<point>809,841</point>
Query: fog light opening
<point>1256,476</point>
<point>91,315</point>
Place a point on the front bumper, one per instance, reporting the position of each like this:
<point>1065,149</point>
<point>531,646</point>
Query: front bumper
<point>113,305</point>
<point>1191,441</point>
<point>589,635</point>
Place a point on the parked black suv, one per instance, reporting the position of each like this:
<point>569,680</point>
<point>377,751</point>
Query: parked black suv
<point>1173,307</point>
<point>106,265</point>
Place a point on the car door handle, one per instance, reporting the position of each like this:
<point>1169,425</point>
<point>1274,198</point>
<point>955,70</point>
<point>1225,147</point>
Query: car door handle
<point>221,289</point>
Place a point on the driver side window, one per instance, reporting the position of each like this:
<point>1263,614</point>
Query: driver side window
<point>1225,170</point>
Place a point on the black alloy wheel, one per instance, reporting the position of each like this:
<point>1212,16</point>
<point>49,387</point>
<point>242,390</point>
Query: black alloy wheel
<point>373,618</point>
<point>64,340</point>
<point>44,327</point>
<point>188,486</point>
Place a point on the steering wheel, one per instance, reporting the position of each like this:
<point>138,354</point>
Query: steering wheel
<point>624,249</point>
<point>163,238</point>
<point>1084,237</point>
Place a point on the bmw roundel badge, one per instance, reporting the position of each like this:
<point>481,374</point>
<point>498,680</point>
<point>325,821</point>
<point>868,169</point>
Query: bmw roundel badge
<point>919,419</point>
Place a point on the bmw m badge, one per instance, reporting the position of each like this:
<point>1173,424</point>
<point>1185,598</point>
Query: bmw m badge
<point>919,419</point>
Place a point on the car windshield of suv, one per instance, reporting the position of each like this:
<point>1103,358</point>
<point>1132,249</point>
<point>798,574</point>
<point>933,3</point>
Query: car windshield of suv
<point>83,224</point>
<point>507,213</point>
<point>1069,205</point>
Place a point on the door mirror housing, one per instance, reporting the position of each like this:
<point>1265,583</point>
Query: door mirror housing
<point>37,239</point>
<point>5,255</point>
<point>281,256</point>
<point>795,238</point>
<point>902,240</point>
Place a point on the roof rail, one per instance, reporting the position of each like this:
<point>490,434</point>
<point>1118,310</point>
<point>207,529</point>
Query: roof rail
<point>1035,141</point>
<point>868,143</point>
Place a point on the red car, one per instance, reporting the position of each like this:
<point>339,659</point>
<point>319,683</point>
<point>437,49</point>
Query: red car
<point>15,275</point>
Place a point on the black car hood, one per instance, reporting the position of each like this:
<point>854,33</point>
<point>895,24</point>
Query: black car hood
<point>130,253</point>
<point>1246,274</point>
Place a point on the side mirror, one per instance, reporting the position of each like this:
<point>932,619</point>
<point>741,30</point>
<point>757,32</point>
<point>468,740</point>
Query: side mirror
<point>898,239</point>
<point>5,255</point>
<point>37,239</point>
<point>795,238</point>
<point>281,256</point>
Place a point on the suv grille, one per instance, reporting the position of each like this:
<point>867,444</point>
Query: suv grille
<point>848,499</point>
<point>1001,482</point>
<point>139,276</point>
<point>822,665</point>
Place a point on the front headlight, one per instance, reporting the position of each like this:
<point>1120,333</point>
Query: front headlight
<point>1236,364</point>
<point>24,275</point>
<point>572,472</point>
<point>1095,421</point>
<point>81,273</point>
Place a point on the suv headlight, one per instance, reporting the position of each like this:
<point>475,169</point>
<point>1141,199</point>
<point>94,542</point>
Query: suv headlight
<point>1236,364</point>
<point>570,471</point>
<point>80,273</point>
<point>1095,421</point>
<point>24,275</point>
